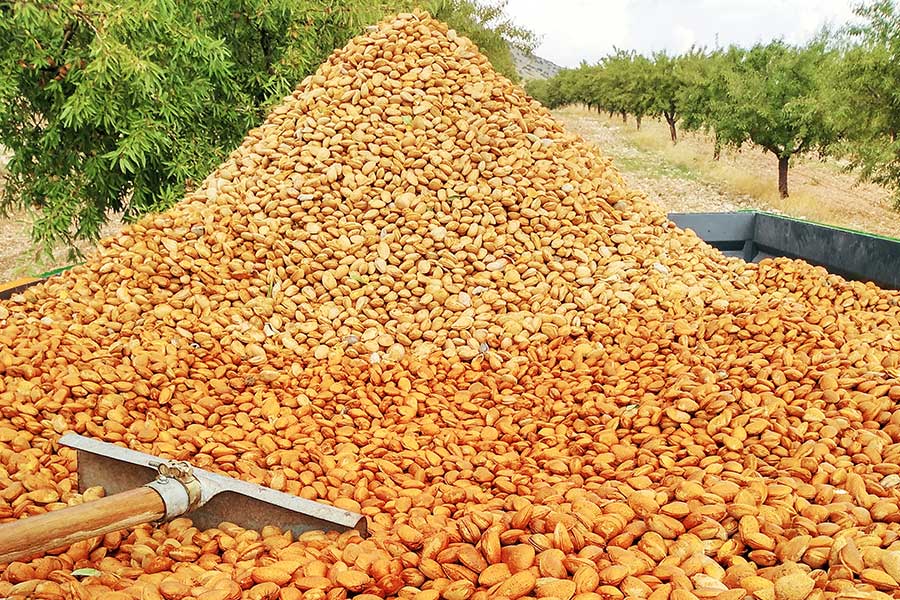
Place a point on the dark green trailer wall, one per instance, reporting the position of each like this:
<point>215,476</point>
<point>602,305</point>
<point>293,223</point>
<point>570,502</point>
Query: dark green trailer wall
<point>754,236</point>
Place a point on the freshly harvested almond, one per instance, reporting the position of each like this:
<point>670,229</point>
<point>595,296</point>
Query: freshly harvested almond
<point>431,568</point>
<point>550,563</point>
<point>271,574</point>
<point>850,556</point>
<point>753,583</point>
<point>471,558</point>
<point>890,562</point>
<point>491,547</point>
<point>493,575</point>
<point>613,574</point>
<point>43,496</point>
<point>666,526</point>
<point>353,580</point>
<point>759,541</point>
<point>263,591</point>
<point>793,549</point>
<point>653,545</point>
<point>794,586</point>
<point>518,557</point>
<point>643,502</point>
<point>172,589</point>
<point>312,583</point>
<point>458,590</point>
<point>435,544</point>
<point>516,586</point>
<point>586,579</point>
<point>879,579</point>
<point>410,537</point>
<point>632,586</point>
<point>551,587</point>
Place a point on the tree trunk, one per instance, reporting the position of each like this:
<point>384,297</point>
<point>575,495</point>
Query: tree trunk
<point>782,176</point>
<point>638,119</point>
<point>624,116</point>
<point>672,132</point>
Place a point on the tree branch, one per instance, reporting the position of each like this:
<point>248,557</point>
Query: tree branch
<point>67,36</point>
<point>265,43</point>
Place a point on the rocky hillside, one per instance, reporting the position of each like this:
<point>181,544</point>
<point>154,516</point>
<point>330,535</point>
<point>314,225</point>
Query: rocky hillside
<point>534,67</point>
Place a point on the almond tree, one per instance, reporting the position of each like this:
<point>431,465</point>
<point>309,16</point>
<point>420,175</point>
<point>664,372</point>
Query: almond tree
<point>628,87</point>
<point>703,74</point>
<point>666,84</point>
<point>866,104</point>
<point>773,98</point>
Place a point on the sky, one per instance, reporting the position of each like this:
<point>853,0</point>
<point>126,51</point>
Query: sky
<point>576,30</point>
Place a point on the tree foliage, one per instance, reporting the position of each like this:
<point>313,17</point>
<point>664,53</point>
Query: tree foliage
<point>667,82</point>
<point>623,82</point>
<point>122,106</point>
<point>773,98</point>
<point>703,90</point>
<point>866,104</point>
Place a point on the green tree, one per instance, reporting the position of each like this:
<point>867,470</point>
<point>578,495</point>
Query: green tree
<point>666,85</point>
<point>866,104</point>
<point>773,99</point>
<point>704,90</point>
<point>568,86</point>
<point>575,85</point>
<point>613,83</point>
<point>548,92</point>
<point>640,95</point>
<point>121,106</point>
<point>109,108</point>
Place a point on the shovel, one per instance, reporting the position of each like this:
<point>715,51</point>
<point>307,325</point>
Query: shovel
<point>146,489</point>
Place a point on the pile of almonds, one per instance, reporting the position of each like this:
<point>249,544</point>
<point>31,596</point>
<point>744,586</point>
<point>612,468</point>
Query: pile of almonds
<point>411,294</point>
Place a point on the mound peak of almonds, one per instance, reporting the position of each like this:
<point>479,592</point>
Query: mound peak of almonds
<point>411,294</point>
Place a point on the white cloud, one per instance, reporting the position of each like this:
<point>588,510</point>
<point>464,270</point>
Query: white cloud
<point>575,30</point>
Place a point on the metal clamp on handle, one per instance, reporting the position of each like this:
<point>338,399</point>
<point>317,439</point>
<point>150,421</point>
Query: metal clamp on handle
<point>177,486</point>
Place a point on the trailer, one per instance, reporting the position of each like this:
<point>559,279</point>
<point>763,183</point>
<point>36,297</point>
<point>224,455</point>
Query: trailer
<point>755,235</point>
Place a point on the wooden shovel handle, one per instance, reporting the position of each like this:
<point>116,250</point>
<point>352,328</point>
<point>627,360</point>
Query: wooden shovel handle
<point>56,529</point>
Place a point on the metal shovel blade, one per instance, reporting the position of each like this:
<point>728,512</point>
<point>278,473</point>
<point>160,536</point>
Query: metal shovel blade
<point>248,505</point>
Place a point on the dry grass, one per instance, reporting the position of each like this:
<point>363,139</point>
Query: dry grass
<point>694,153</point>
<point>18,256</point>
<point>820,190</point>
